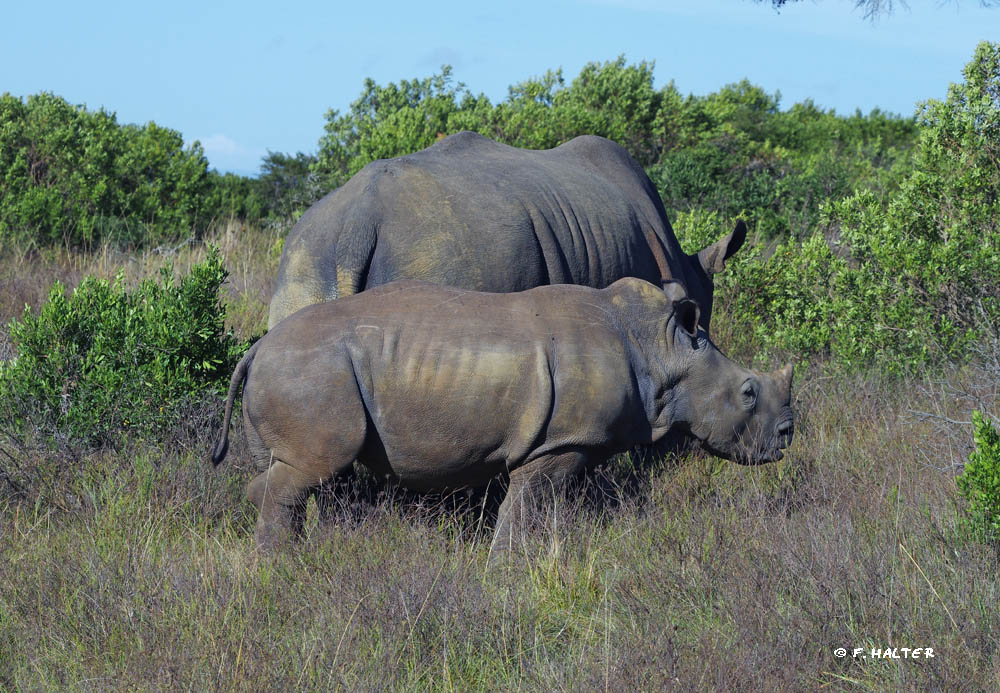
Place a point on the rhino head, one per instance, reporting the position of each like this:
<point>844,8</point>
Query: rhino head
<point>730,411</point>
<point>751,423</point>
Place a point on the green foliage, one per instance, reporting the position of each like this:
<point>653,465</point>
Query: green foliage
<point>611,99</point>
<point>105,363</point>
<point>929,256</point>
<point>979,484</point>
<point>286,184</point>
<point>784,301</point>
<point>284,188</point>
<point>735,153</point>
<point>732,152</point>
<point>73,176</point>
<point>899,275</point>
<point>385,122</point>
<point>236,197</point>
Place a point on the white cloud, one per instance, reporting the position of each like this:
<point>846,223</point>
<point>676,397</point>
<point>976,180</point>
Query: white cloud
<point>226,154</point>
<point>219,144</point>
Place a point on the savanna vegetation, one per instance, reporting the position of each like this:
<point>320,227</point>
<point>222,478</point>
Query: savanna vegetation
<point>127,561</point>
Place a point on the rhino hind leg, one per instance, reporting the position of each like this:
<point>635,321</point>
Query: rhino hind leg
<point>534,485</point>
<point>280,495</point>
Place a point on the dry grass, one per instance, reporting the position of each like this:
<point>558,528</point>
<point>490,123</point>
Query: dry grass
<point>251,255</point>
<point>704,576</point>
<point>689,575</point>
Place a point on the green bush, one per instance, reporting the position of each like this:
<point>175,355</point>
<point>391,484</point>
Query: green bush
<point>286,185</point>
<point>929,259</point>
<point>979,484</point>
<point>610,99</point>
<point>235,197</point>
<point>106,363</point>
<point>74,176</point>
<point>897,278</point>
<point>734,152</point>
<point>384,122</point>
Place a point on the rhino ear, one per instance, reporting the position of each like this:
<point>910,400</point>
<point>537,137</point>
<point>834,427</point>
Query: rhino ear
<point>687,313</point>
<point>713,258</point>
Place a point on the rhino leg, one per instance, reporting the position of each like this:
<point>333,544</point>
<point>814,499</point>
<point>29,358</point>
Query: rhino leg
<point>539,482</point>
<point>280,495</point>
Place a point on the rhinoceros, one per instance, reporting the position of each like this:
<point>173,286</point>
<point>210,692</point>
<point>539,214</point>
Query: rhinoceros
<point>475,214</point>
<point>441,388</point>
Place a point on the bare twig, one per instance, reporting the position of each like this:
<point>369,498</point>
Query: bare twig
<point>924,416</point>
<point>19,490</point>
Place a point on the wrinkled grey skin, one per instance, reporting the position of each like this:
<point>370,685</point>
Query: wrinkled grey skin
<point>441,388</point>
<point>471,213</point>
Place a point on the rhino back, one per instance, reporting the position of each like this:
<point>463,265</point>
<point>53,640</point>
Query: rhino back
<point>476,214</point>
<point>473,213</point>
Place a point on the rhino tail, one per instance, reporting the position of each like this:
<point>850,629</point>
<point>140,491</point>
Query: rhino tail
<point>239,375</point>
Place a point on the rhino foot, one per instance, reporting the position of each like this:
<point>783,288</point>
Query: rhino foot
<point>280,494</point>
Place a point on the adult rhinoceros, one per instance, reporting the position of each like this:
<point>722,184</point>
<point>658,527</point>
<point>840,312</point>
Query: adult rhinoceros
<point>472,213</point>
<point>439,388</point>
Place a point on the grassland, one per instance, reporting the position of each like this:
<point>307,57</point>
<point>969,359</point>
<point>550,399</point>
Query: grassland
<point>135,569</point>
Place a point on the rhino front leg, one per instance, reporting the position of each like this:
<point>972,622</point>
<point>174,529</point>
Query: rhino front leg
<point>280,494</point>
<point>539,482</point>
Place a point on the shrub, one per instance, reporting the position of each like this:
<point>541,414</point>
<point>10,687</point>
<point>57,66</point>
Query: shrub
<point>900,280</point>
<point>105,364</point>
<point>74,176</point>
<point>386,121</point>
<point>731,152</point>
<point>286,185</point>
<point>611,99</point>
<point>979,484</point>
<point>930,257</point>
<point>235,197</point>
<point>735,153</point>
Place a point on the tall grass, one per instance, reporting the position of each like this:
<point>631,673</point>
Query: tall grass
<point>251,255</point>
<point>690,574</point>
<point>704,576</point>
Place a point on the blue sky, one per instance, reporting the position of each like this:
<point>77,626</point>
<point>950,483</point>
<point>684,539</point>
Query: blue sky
<point>245,77</point>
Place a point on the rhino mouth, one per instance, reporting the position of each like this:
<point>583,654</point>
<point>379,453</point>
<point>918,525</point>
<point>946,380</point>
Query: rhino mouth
<point>752,452</point>
<point>752,458</point>
<point>783,433</point>
<point>748,455</point>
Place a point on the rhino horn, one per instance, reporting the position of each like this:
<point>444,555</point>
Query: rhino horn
<point>784,376</point>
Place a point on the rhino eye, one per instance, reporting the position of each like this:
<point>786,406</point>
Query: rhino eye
<point>748,394</point>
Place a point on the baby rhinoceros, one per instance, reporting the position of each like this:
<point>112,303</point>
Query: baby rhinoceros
<point>439,388</point>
